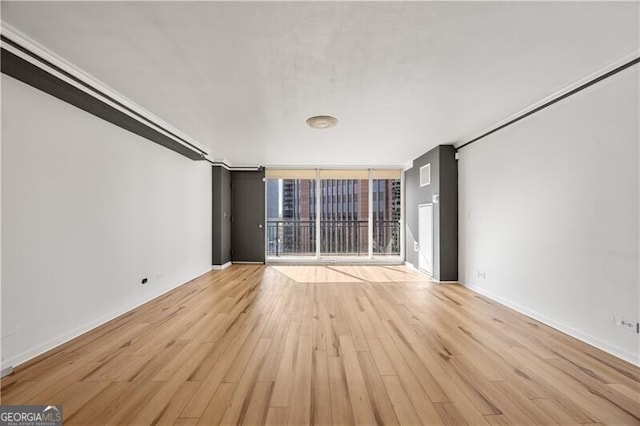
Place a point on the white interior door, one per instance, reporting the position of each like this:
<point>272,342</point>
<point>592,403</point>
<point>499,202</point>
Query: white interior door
<point>425,238</point>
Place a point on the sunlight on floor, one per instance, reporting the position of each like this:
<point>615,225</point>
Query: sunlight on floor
<point>350,274</point>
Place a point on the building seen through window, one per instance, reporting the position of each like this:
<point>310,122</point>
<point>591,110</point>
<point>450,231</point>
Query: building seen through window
<point>344,216</point>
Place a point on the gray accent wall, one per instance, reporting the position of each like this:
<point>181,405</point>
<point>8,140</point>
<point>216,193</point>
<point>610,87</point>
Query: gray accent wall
<point>221,215</point>
<point>444,183</point>
<point>448,213</point>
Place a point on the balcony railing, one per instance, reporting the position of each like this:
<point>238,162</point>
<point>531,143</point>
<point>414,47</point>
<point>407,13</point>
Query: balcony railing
<point>386,237</point>
<point>337,238</point>
<point>291,238</point>
<point>344,237</point>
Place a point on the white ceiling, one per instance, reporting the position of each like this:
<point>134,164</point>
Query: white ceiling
<point>401,77</point>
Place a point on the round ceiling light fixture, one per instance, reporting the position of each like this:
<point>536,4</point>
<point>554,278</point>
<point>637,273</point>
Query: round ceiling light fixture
<point>322,121</point>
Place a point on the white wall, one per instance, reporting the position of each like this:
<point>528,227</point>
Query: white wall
<point>549,212</point>
<point>88,210</point>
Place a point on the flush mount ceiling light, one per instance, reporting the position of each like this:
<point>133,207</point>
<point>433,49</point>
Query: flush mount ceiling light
<point>322,121</point>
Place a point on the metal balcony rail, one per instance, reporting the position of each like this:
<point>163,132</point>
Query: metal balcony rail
<point>337,238</point>
<point>291,238</point>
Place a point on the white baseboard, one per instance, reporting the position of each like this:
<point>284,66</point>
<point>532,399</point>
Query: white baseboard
<point>410,265</point>
<point>11,363</point>
<point>221,267</point>
<point>590,340</point>
<point>6,371</point>
<point>25,356</point>
<point>420,271</point>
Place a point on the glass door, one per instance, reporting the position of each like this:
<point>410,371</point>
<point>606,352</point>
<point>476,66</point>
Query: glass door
<point>387,212</point>
<point>344,213</point>
<point>333,213</point>
<point>291,213</point>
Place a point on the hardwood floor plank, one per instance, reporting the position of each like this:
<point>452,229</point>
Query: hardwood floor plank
<point>300,402</point>
<point>173,410</point>
<point>597,387</point>
<point>380,402</point>
<point>421,402</point>
<point>132,400</point>
<point>454,392</point>
<point>400,401</point>
<point>343,344</point>
<point>473,382</point>
<point>499,419</point>
<point>592,405</point>
<point>320,390</point>
<point>51,384</point>
<point>160,400</point>
<point>624,390</point>
<point>516,405</point>
<point>185,421</point>
<point>449,413</point>
<point>277,416</point>
<point>239,402</point>
<point>96,409</point>
<point>360,402</point>
<point>218,404</point>
<point>284,380</point>
<point>224,355</point>
<point>422,374</point>
<point>555,411</point>
<point>341,411</point>
<point>258,404</point>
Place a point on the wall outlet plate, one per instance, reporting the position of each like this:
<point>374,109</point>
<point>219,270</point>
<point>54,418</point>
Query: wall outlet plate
<point>416,246</point>
<point>625,324</point>
<point>628,324</point>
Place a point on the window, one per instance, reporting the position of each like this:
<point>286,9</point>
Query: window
<point>387,214</point>
<point>328,213</point>
<point>344,231</point>
<point>291,213</point>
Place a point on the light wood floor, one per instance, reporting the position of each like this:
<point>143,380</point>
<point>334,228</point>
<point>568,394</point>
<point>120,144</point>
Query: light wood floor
<point>343,345</point>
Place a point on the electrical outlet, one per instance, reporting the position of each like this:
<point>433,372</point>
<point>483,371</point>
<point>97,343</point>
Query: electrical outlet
<point>625,324</point>
<point>416,246</point>
<point>480,275</point>
<point>628,325</point>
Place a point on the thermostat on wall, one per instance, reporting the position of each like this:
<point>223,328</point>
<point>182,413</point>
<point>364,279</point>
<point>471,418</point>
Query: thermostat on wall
<point>435,198</point>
